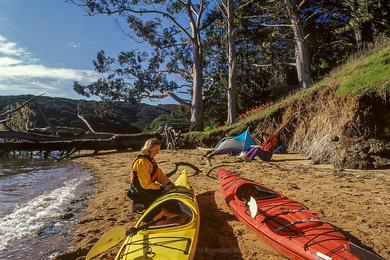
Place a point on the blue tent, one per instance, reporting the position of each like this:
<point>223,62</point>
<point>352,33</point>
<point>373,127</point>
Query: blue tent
<point>246,138</point>
<point>234,145</point>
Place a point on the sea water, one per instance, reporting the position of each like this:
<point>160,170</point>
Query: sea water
<point>33,196</point>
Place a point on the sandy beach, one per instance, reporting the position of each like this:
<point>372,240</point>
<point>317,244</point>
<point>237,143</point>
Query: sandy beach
<point>356,201</point>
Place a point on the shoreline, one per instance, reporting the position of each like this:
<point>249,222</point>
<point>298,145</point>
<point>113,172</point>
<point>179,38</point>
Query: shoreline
<point>353,200</point>
<point>35,218</point>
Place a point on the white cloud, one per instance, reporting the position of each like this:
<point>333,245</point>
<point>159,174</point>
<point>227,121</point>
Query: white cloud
<point>11,48</point>
<point>74,44</point>
<point>40,71</point>
<point>7,61</point>
<point>21,73</point>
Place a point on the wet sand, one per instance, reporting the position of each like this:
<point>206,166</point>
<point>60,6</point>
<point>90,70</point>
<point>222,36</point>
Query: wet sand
<point>354,200</point>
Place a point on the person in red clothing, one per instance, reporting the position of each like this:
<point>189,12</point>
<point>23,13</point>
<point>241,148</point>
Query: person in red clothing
<point>265,150</point>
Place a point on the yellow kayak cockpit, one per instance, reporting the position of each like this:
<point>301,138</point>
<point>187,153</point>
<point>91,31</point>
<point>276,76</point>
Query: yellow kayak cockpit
<point>174,233</point>
<point>176,214</point>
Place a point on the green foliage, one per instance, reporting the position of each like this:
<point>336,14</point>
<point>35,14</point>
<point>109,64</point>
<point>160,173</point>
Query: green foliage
<point>178,119</point>
<point>360,12</point>
<point>367,75</point>
<point>20,119</point>
<point>367,19</point>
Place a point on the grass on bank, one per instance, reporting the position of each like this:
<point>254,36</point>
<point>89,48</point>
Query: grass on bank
<point>367,72</point>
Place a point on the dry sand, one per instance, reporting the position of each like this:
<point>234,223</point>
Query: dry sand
<point>355,201</point>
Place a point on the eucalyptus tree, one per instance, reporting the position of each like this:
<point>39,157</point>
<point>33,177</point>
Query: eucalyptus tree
<point>174,30</point>
<point>255,84</point>
<point>286,14</point>
<point>228,10</point>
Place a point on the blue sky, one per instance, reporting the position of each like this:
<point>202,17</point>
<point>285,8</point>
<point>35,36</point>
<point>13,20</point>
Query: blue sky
<point>47,44</point>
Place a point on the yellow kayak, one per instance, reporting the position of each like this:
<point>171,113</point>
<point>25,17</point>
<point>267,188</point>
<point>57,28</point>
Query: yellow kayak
<point>175,236</point>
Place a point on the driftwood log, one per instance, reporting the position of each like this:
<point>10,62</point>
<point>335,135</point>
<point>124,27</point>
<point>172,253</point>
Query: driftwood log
<point>58,130</point>
<point>116,142</point>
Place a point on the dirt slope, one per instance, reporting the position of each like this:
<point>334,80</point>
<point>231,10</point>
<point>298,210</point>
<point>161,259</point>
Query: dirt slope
<point>344,119</point>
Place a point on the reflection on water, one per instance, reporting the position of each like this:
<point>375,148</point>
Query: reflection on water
<point>33,194</point>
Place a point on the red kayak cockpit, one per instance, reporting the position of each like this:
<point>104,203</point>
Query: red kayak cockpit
<point>246,191</point>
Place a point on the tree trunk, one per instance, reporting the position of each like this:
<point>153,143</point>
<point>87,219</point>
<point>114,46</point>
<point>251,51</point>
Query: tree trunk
<point>196,123</point>
<point>232,86</point>
<point>364,34</point>
<point>302,55</point>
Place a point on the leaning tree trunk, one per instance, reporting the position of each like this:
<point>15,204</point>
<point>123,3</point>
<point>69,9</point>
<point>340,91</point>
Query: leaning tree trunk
<point>232,84</point>
<point>196,123</point>
<point>302,55</point>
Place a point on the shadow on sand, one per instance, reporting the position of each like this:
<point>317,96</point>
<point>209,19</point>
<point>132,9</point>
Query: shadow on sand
<point>216,237</point>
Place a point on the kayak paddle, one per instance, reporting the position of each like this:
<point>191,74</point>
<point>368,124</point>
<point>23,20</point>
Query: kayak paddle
<point>114,236</point>
<point>253,207</point>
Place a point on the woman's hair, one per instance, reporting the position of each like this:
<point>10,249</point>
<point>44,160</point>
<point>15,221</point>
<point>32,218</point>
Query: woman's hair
<point>149,144</point>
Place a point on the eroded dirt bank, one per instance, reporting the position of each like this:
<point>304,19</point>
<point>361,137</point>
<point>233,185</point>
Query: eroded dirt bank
<point>356,201</point>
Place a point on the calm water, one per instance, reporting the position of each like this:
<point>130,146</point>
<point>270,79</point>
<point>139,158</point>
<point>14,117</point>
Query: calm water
<point>33,195</point>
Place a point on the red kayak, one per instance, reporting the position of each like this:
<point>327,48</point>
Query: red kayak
<point>287,225</point>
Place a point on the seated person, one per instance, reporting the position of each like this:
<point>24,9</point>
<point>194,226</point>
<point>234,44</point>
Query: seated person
<point>148,182</point>
<point>264,150</point>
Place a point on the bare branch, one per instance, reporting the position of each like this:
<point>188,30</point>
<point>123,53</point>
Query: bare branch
<point>263,65</point>
<point>311,16</point>
<point>273,64</point>
<point>301,4</point>
<point>208,24</point>
<point>223,5</point>
<point>181,101</point>
<point>192,21</point>
<point>119,28</point>
<point>5,120</point>
<point>255,16</point>
<point>199,16</point>
<point>264,24</point>
<point>164,14</point>
<point>191,6</point>
<point>84,120</point>
<point>223,8</point>
<point>276,25</point>
<point>22,105</point>
<point>175,45</point>
<point>247,3</point>
<point>178,72</point>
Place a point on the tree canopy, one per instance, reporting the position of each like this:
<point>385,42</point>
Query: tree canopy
<point>277,46</point>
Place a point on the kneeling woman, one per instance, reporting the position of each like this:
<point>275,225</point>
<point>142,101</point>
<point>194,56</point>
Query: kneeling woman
<point>148,182</point>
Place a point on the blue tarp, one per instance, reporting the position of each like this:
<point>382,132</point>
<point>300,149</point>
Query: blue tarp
<point>246,138</point>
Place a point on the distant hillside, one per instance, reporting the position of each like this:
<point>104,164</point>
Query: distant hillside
<point>117,117</point>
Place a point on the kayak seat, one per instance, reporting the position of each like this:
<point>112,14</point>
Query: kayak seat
<point>245,191</point>
<point>138,208</point>
<point>177,214</point>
